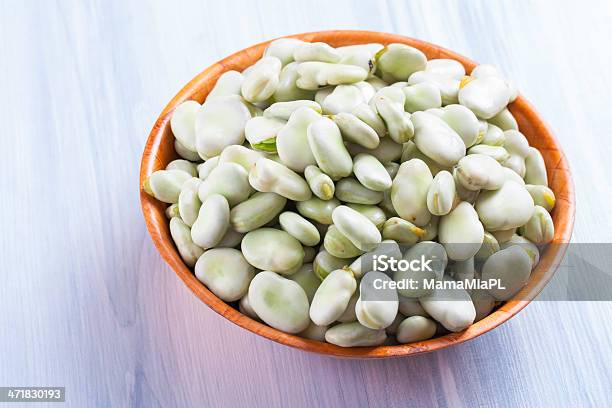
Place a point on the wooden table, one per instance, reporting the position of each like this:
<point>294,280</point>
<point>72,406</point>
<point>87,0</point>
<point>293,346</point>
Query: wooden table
<point>87,303</point>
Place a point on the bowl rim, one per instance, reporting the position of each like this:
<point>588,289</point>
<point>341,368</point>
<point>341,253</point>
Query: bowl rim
<point>157,224</point>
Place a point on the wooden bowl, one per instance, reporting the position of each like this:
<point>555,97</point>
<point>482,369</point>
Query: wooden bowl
<point>159,151</point>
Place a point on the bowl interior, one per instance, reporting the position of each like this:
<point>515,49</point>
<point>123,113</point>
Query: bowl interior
<point>159,151</point>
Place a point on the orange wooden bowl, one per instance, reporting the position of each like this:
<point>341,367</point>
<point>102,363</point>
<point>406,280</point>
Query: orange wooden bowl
<point>159,151</point>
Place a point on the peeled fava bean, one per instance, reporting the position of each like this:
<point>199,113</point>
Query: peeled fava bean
<point>181,235</point>
<point>356,227</point>
<point>512,266</point>
<point>461,232</point>
<point>212,222</point>
<point>272,250</point>
<point>320,183</point>
<point>463,121</point>
<point>338,245</point>
<point>486,97</point>
<point>240,155</point>
<point>269,176</point>
<point>261,79</point>
<point>453,308</point>
<point>230,180</point>
<point>306,278</point>
<point>441,194</point>
<point>494,136</point>
<point>182,123</point>
<point>283,49</point>
<point>245,307</point>
<point>365,263</point>
<point>350,190</point>
<point>415,328</point>
<point>535,168</point>
<point>284,110</point>
<point>261,133</point>
<point>436,139</point>
<point>386,151</point>
<point>257,211</point>
<point>448,86</point>
<point>343,98</point>
<point>354,335</point>
<point>422,96</point>
<point>361,55</point>
<point>448,67</point>
<point>332,297</point>
<point>172,211</point>
<point>396,62</point>
<point>480,172</point>
<point>402,231</point>
<point>220,123</point>
<point>356,131</point>
<point>287,89</point>
<point>504,120</point>
<point>317,209</point>
<point>314,332</point>
<point>373,213</point>
<point>325,263</point>
<point>292,140</point>
<point>489,247</point>
<point>314,74</point>
<point>376,307</point>
<point>166,185</point>
<point>189,203</point>
<point>225,272</point>
<point>540,228</point>
<point>371,118</point>
<point>205,168</point>
<point>409,191</point>
<point>229,83</point>
<point>280,302</point>
<point>182,151</point>
<point>398,121</point>
<point>299,228</point>
<point>542,196</point>
<point>426,250</point>
<point>497,153</point>
<point>317,51</point>
<point>326,143</point>
<point>371,173</point>
<point>529,247</point>
<point>509,207</point>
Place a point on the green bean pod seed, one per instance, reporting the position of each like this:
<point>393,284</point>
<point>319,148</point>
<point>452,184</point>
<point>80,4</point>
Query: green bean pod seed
<point>512,266</point>
<point>415,328</point>
<point>317,209</point>
<point>356,131</point>
<point>461,232</point>
<point>230,180</point>
<point>165,185</point>
<point>181,235</point>
<point>420,97</point>
<point>225,272</point>
<point>269,176</point>
<point>315,74</point>
<point>542,196</point>
<point>280,302</point>
<point>306,278</point>
<point>257,211</point>
<point>261,79</point>
<point>396,62</point>
<point>436,139</point>
<point>326,143</point>
<point>220,123</point>
<point>182,124</point>
<point>453,308</point>
<point>441,194</point>
<point>272,250</point>
<point>185,165</point>
<point>356,227</point>
<point>409,191</point>
<point>535,168</point>
<point>509,207</point>
<point>402,231</point>
<point>540,228</point>
<point>292,140</point>
<point>350,190</point>
<point>212,222</point>
<point>338,245</point>
<point>324,263</point>
<point>189,203</point>
<point>299,228</point>
<point>332,297</point>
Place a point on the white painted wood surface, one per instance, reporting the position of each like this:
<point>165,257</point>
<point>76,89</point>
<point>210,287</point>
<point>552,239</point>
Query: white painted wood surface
<point>87,303</point>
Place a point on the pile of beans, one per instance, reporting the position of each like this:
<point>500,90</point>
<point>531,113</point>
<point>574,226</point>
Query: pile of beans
<point>301,167</point>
